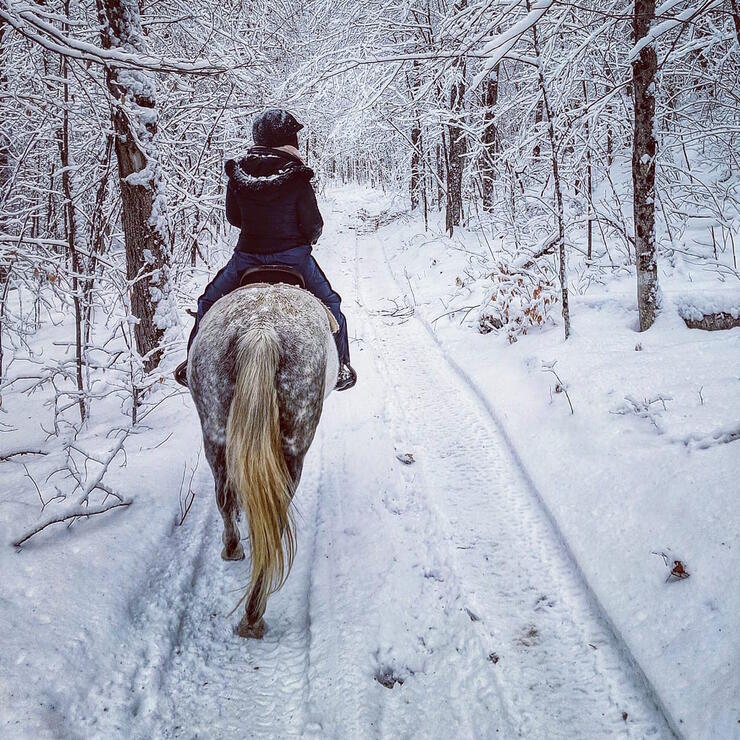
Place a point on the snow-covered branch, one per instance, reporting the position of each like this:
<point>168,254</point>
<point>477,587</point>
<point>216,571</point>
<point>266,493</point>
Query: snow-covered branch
<point>24,19</point>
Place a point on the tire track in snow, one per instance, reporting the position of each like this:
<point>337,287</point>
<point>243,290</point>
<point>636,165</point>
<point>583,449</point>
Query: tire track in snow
<point>222,685</point>
<point>560,662</point>
<point>183,671</point>
<point>412,573</point>
<point>379,609</point>
<point>129,693</point>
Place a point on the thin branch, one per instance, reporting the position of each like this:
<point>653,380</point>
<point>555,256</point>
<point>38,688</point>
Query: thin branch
<point>76,514</point>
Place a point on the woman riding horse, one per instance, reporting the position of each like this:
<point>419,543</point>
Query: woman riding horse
<point>269,196</point>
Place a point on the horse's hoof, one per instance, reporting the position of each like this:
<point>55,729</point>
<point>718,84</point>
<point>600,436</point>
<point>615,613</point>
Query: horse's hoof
<point>256,631</point>
<point>236,554</point>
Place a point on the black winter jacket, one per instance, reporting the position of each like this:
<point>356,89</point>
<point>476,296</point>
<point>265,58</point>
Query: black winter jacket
<point>270,197</point>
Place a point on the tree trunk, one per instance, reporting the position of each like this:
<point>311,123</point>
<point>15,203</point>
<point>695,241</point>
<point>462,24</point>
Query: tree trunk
<point>554,150</point>
<point>489,139</point>
<point>455,154</point>
<point>644,147</point>
<point>143,213</point>
<point>416,183</point>
<point>537,121</point>
<point>736,19</point>
<point>441,173</point>
<point>456,145</point>
<point>70,218</point>
<point>4,165</point>
<point>589,178</point>
<point>456,148</point>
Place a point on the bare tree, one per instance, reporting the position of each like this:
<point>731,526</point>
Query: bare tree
<point>554,154</point>
<point>644,147</point>
<point>4,158</point>
<point>142,194</point>
<point>490,98</point>
<point>63,137</point>
<point>456,144</point>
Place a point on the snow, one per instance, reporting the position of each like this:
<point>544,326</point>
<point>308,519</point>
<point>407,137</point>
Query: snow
<point>658,29</point>
<point>27,20</point>
<point>141,178</point>
<point>696,305</point>
<point>500,45</point>
<point>139,84</point>
<point>619,486</point>
<point>473,559</point>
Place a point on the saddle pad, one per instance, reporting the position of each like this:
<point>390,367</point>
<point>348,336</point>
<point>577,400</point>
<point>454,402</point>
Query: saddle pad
<point>333,323</point>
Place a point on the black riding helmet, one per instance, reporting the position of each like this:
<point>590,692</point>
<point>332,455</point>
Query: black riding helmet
<point>275,127</point>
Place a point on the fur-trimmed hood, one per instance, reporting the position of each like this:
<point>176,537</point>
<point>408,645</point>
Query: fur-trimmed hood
<point>265,172</point>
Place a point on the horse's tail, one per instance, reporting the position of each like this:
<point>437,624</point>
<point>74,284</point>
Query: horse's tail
<point>255,464</point>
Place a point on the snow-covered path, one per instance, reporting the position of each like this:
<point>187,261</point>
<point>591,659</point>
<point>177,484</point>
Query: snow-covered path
<point>430,599</point>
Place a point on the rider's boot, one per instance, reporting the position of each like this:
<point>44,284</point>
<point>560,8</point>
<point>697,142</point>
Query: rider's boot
<point>181,371</point>
<point>346,377</point>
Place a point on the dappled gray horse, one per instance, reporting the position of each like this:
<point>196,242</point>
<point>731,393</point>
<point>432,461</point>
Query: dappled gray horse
<point>259,369</point>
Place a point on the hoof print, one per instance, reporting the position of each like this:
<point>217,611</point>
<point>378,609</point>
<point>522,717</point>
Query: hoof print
<point>387,677</point>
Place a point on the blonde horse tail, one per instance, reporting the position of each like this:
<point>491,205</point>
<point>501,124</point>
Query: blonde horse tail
<point>256,467</point>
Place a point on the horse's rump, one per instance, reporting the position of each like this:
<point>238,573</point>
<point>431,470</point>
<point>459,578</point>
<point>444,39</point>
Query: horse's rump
<point>259,369</point>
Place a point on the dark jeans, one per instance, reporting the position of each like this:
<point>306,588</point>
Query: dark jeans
<point>300,259</point>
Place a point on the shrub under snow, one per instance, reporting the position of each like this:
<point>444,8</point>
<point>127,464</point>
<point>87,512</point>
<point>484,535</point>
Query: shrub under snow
<point>516,302</point>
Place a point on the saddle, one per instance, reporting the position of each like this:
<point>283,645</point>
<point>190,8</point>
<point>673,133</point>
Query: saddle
<point>273,274</point>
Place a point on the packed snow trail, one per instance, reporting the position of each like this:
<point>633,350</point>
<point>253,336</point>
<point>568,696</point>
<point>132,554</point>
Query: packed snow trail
<point>429,598</point>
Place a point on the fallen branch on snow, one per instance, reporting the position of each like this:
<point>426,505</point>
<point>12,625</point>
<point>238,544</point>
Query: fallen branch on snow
<point>17,453</point>
<point>86,484</point>
<point>187,499</point>
<point>643,408</point>
<point>401,312</point>
<point>82,512</point>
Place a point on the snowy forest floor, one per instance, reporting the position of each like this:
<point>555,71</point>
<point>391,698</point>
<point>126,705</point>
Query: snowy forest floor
<point>505,583</point>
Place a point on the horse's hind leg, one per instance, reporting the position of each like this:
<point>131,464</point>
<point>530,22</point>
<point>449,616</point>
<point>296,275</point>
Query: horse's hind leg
<point>228,507</point>
<point>232,549</point>
<point>252,624</point>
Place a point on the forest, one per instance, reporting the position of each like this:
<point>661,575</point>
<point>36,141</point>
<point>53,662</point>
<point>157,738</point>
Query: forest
<point>524,119</point>
<point>539,197</point>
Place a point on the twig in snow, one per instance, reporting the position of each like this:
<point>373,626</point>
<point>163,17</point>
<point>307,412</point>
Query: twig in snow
<point>35,485</point>
<point>159,444</point>
<point>76,514</point>
<point>402,312</point>
<point>186,501</point>
<point>17,453</point>
<point>454,311</point>
<point>560,387</point>
<point>408,280</point>
<point>644,408</point>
